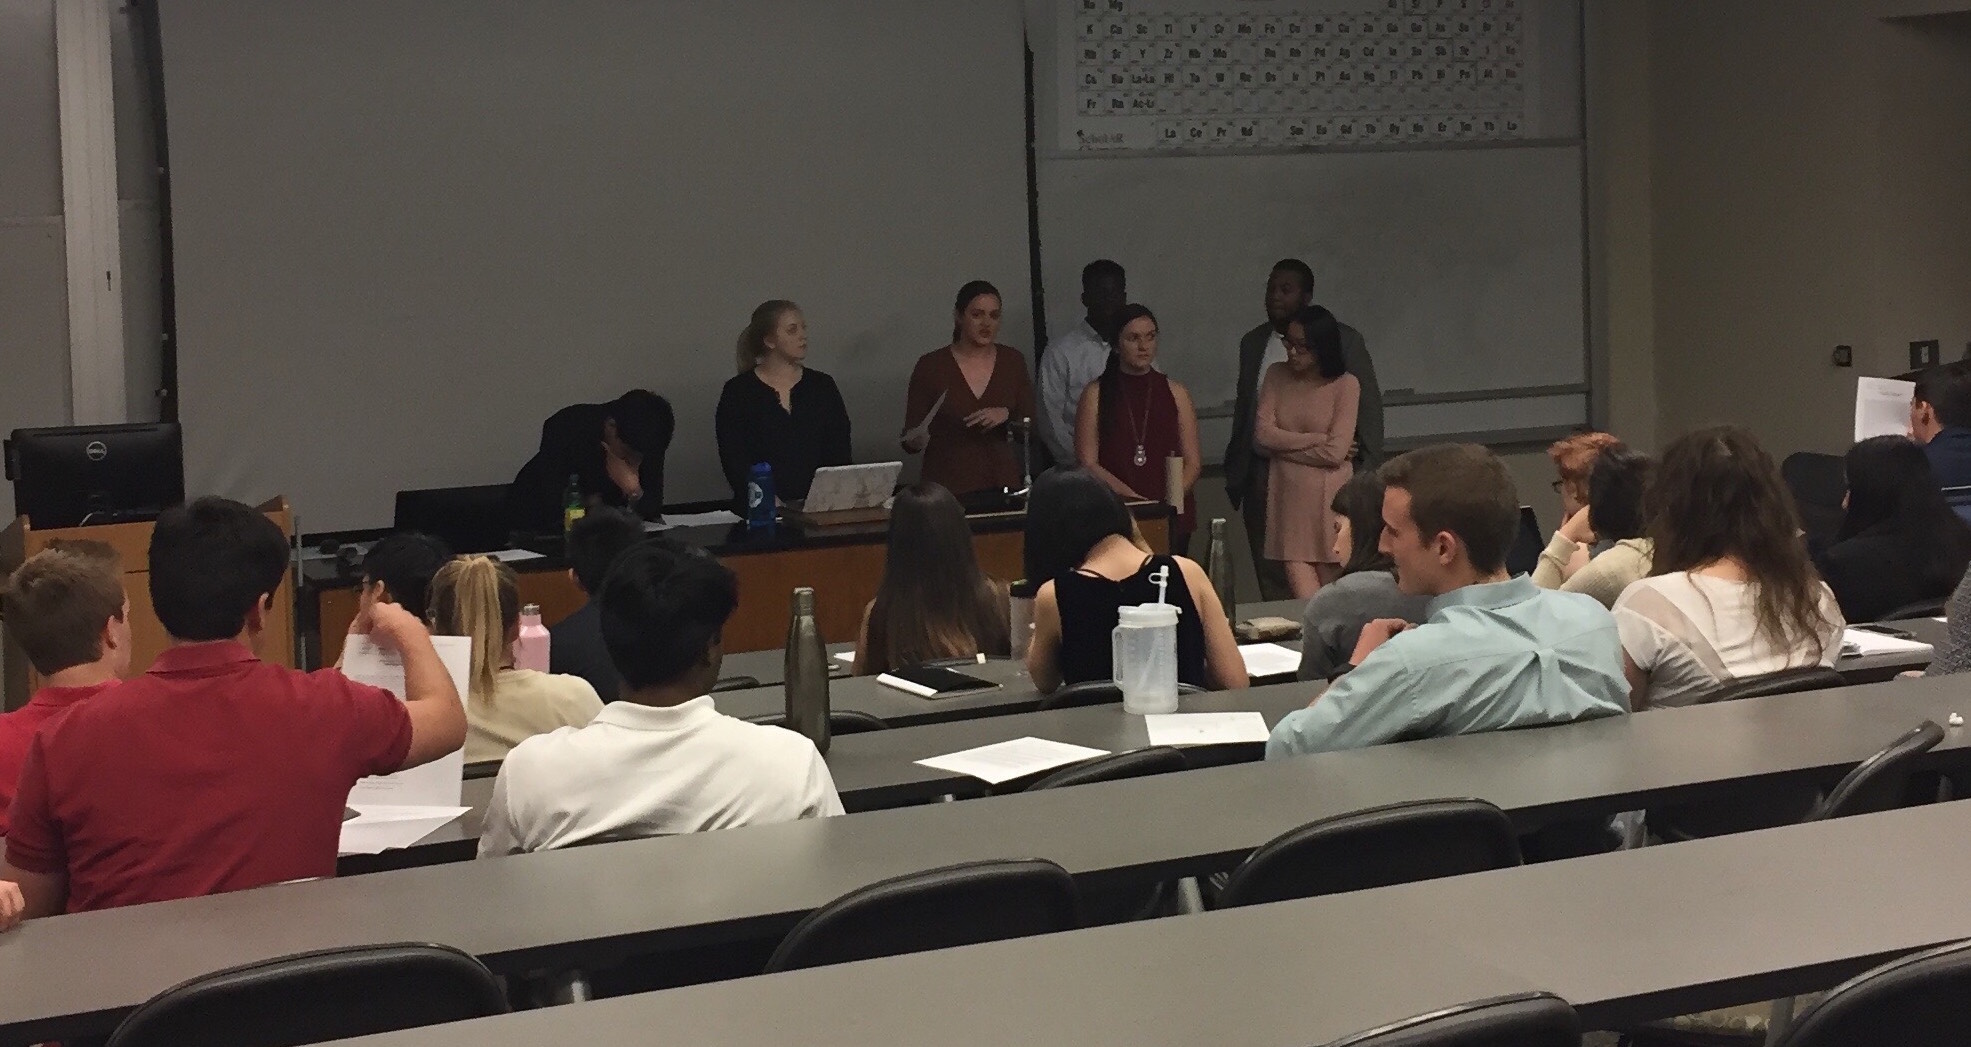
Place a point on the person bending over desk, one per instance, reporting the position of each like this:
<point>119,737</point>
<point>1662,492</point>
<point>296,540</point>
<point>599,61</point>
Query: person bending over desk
<point>575,644</point>
<point>1495,651</point>
<point>978,386</point>
<point>663,760</point>
<point>778,410</point>
<point>479,597</point>
<point>1899,542</point>
<point>1081,552</point>
<point>1133,417</point>
<point>615,451</point>
<point>67,610</point>
<point>216,771</point>
<point>1733,592</point>
<point>933,601</point>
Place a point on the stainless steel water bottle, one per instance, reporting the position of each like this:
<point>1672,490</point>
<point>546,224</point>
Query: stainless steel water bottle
<point>1218,566</point>
<point>807,672</point>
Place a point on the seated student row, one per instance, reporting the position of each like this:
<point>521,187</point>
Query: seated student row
<point>1493,652</point>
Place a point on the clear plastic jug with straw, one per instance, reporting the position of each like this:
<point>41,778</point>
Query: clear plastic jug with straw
<point>1143,653</point>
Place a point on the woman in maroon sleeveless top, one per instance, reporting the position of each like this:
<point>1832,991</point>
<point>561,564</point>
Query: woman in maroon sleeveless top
<point>1133,417</point>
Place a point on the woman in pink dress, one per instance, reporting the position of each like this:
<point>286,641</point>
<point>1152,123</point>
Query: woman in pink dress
<point>1306,426</point>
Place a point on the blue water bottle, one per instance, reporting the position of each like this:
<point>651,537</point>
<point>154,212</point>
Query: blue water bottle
<point>759,498</point>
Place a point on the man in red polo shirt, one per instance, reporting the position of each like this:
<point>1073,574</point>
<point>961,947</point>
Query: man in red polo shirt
<point>216,771</point>
<point>66,608</point>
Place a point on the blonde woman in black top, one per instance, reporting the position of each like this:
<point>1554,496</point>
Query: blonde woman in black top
<point>777,409</point>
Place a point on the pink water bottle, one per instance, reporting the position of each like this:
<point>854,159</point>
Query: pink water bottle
<point>530,651</point>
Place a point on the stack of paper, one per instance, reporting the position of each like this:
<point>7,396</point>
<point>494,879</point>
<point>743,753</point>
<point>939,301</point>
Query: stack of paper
<point>715,518</point>
<point>1882,407</point>
<point>1269,659</point>
<point>1005,761</point>
<point>1864,642</point>
<point>397,810</point>
<point>1206,728</point>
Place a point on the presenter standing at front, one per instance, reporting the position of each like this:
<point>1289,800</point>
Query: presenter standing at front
<point>1133,417</point>
<point>778,410</point>
<point>961,398</point>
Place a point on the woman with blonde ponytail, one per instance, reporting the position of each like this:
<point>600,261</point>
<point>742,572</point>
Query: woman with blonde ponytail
<point>777,409</point>
<point>479,597</point>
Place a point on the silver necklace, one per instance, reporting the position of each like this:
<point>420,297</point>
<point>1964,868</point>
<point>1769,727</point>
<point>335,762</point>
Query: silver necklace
<point>1142,456</point>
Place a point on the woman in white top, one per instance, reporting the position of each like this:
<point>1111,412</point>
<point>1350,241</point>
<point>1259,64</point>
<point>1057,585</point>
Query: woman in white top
<point>479,597</point>
<point>1733,593</point>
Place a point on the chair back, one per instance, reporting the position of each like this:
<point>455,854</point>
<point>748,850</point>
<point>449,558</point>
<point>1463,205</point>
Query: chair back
<point>479,769</point>
<point>840,721</point>
<point>1400,843</point>
<point>1818,483</point>
<point>1920,609</point>
<point>314,997</point>
<point>1919,1000</point>
<point>1096,692</point>
<point>469,519</point>
<point>1524,553</point>
<point>1785,681</point>
<point>1136,763</point>
<point>734,683</point>
<point>1881,782</point>
<point>1534,1019</point>
<point>935,909</point>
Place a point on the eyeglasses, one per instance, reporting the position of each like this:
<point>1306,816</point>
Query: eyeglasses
<point>1292,344</point>
<point>1558,484</point>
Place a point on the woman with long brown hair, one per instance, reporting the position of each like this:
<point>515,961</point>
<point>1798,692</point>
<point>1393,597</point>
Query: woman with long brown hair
<point>978,388</point>
<point>1732,591</point>
<point>933,602</point>
<point>479,597</point>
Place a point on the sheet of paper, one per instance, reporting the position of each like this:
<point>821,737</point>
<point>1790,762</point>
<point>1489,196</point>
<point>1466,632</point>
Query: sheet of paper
<point>380,828</point>
<point>715,518</point>
<point>922,430</point>
<point>1882,407</point>
<point>1205,728</point>
<point>1864,642</point>
<point>514,555</point>
<point>845,657</point>
<point>1269,659</point>
<point>1005,761</point>
<point>438,783</point>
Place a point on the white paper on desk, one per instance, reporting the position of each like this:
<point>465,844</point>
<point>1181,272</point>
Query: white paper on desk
<point>715,518</point>
<point>1205,728</point>
<point>848,657</point>
<point>379,828</point>
<point>1269,659</point>
<point>514,555</point>
<point>922,430</point>
<point>1864,642</point>
<point>1005,761</point>
<point>438,783</point>
<point>1882,407</point>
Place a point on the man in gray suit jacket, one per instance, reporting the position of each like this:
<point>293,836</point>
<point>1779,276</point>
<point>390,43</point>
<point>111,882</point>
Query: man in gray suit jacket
<point>1289,289</point>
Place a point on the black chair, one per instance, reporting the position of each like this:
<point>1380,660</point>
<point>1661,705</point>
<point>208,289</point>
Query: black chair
<point>935,909</point>
<point>1883,782</point>
<point>314,997</point>
<point>1757,805</point>
<point>469,519</point>
<point>1919,609</point>
<point>1534,1019</point>
<point>1527,543</point>
<point>840,721</point>
<point>1818,482</point>
<point>735,683</point>
<point>1919,1000</point>
<point>482,769</point>
<point>1096,692</point>
<point>1136,763</point>
<point>1400,843</point>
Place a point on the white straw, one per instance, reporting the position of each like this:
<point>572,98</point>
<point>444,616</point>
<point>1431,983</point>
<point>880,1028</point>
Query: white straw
<point>1162,578</point>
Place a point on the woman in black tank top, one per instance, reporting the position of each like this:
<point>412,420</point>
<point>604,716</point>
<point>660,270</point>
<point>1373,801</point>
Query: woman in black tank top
<point>1075,520</point>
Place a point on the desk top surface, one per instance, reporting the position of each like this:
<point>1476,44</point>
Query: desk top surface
<point>1640,933</point>
<point>596,902</point>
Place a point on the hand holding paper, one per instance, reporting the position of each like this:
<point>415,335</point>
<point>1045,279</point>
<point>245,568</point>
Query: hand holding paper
<point>918,436</point>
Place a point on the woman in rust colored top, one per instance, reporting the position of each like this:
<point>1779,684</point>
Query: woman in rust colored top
<point>984,385</point>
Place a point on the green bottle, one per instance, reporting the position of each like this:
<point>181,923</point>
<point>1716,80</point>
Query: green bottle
<point>572,508</point>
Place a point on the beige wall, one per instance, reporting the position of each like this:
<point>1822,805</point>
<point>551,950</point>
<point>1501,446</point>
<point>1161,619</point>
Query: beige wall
<point>1808,178</point>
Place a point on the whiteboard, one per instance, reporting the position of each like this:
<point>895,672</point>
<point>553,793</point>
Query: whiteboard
<point>406,231</point>
<point>1457,249</point>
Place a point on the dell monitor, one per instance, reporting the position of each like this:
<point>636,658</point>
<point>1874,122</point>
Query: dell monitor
<point>94,474</point>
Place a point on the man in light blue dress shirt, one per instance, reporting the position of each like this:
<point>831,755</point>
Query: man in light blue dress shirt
<point>1077,358</point>
<point>1493,652</point>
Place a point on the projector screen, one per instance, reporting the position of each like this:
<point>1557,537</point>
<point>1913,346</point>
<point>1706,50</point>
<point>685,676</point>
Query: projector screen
<point>406,231</point>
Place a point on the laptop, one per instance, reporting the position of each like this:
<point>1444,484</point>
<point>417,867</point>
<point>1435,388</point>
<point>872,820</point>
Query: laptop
<point>842,487</point>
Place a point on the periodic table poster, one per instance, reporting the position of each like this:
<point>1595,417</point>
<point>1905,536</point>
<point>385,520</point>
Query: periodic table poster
<point>1226,76</point>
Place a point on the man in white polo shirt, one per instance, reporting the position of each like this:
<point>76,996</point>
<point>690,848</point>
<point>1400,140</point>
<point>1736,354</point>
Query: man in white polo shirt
<point>661,760</point>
